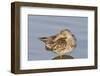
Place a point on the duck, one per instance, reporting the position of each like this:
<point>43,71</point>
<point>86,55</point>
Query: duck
<point>60,43</point>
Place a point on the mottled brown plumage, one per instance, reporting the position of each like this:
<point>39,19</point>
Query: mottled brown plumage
<point>60,43</point>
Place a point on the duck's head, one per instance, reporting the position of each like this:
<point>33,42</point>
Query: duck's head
<point>65,32</point>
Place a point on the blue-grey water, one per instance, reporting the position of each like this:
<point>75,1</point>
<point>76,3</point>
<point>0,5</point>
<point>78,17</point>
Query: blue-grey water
<point>40,26</point>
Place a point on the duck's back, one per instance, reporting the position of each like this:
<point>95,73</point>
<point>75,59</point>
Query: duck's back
<point>60,44</point>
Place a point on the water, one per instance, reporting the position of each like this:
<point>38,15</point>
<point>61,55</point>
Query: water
<point>39,26</point>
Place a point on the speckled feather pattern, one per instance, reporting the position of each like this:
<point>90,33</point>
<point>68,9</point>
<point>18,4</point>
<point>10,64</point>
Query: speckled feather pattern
<point>61,43</point>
